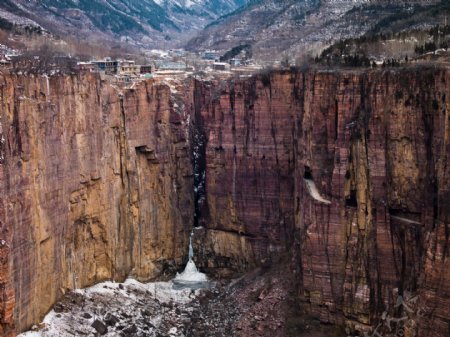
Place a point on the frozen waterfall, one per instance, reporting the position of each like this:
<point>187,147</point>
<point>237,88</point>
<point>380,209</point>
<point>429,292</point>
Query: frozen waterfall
<point>191,277</point>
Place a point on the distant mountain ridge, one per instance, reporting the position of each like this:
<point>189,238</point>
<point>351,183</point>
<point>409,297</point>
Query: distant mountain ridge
<point>269,29</point>
<point>139,21</point>
<point>295,27</point>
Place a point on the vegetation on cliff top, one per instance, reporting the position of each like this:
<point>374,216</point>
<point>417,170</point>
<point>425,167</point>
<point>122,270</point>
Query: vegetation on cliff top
<point>390,48</point>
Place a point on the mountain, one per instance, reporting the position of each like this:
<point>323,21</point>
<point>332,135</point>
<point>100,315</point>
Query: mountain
<point>139,22</point>
<point>292,27</point>
<point>204,11</point>
<point>268,29</point>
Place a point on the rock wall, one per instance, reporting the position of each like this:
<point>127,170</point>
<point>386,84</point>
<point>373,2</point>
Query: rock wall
<point>376,144</point>
<point>249,155</point>
<point>347,171</point>
<point>95,185</point>
<point>344,173</point>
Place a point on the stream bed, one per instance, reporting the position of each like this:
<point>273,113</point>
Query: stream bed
<point>120,309</point>
<point>259,303</point>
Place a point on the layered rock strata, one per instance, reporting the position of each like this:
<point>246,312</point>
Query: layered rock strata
<point>95,185</point>
<point>345,173</point>
<point>249,156</point>
<point>345,170</point>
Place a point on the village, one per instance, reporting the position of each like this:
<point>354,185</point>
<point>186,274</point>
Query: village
<point>172,63</point>
<point>157,64</point>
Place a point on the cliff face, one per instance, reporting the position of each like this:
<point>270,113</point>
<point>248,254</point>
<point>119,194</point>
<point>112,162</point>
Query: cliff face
<point>348,172</point>
<point>95,185</point>
<point>343,173</point>
<point>376,145</point>
<point>249,156</point>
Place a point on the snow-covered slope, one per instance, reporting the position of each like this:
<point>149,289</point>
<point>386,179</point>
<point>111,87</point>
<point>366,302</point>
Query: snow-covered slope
<point>136,21</point>
<point>119,309</point>
<point>196,14</point>
<point>295,27</point>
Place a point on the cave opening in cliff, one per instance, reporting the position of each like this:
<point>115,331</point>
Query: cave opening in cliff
<point>308,173</point>
<point>350,200</point>
<point>199,168</point>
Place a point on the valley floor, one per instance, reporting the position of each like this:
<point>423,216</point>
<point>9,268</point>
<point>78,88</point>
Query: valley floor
<point>260,303</point>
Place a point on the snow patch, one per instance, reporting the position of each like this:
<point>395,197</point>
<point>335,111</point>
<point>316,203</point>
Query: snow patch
<point>314,192</point>
<point>131,308</point>
<point>154,308</point>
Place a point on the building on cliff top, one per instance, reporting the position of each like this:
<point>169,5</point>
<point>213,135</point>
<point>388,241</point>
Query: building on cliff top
<point>128,67</point>
<point>113,67</point>
<point>107,65</point>
<point>86,66</point>
<point>210,55</point>
<point>146,69</point>
<point>161,65</point>
<point>221,66</point>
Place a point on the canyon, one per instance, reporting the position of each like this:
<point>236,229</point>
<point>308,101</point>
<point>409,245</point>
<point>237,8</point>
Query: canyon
<point>339,178</point>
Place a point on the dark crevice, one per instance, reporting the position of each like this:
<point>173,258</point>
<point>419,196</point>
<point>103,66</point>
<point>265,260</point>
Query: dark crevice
<point>198,146</point>
<point>240,233</point>
<point>199,164</point>
<point>351,201</point>
<point>308,173</point>
<point>17,133</point>
<point>148,153</point>
<point>122,137</point>
<point>336,119</point>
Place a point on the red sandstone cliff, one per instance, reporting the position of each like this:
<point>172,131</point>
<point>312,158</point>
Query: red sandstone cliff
<point>94,185</point>
<point>375,146</point>
<point>346,172</point>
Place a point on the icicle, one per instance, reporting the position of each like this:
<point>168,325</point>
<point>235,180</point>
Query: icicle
<point>191,250</point>
<point>48,87</point>
<point>190,274</point>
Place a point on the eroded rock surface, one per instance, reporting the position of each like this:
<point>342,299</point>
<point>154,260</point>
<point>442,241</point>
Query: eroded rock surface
<point>95,185</point>
<point>375,144</point>
<point>344,174</point>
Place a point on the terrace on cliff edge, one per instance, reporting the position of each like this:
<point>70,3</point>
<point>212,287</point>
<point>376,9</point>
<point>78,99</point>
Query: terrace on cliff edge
<point>318,203</point>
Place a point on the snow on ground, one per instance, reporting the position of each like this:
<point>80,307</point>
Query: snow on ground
<point>127,309</point>
<point>131,308</point>
<point>159,52</point>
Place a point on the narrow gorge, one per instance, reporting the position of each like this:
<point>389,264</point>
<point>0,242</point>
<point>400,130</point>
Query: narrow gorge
<point>337,178</point>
